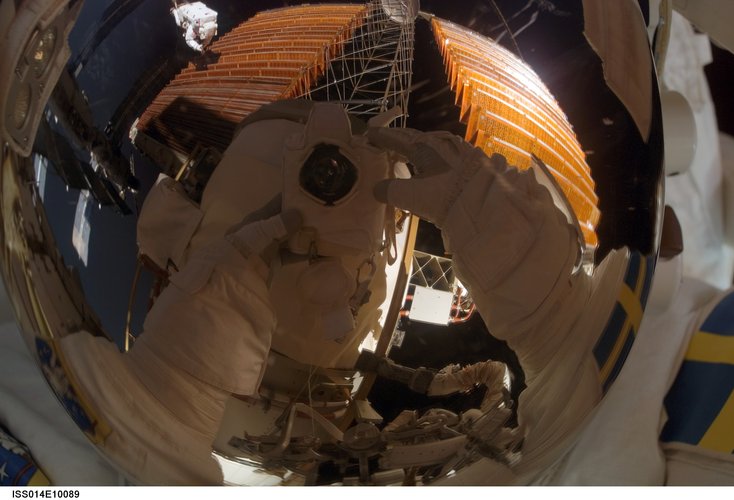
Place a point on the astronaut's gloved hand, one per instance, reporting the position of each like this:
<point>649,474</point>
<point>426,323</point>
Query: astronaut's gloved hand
<point>443,164</point>
<point>195,45</point>
<point>510,243</point>
<point>515,251</point>
<point>261,238</point>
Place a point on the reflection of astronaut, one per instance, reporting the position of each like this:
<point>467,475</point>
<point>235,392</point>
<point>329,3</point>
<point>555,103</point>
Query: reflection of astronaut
<point>198,22</point>
<point>210,331</point>
<point>517,253</point>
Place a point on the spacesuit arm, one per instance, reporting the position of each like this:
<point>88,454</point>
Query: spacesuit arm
<point>516,252</point>
<point>215,319</point>
<point>191,39</point>
<point>207,336</point>
<point>511,246</point>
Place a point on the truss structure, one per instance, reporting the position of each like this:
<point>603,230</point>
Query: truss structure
<point>373,71</point>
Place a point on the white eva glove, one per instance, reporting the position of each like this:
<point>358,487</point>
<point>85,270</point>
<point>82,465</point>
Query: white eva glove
<point>443,165</point>
<point>262,237</point>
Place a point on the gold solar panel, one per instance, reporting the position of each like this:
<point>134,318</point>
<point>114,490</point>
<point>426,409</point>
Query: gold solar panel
<point>277,54</point>
<point>508,110</point>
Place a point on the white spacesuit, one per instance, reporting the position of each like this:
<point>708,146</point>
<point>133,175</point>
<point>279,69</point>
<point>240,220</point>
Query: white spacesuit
<point>198,22</point>
<point>209,333</point>
<point>207,337</point>
<point>518,255</point>
<point>512,247</point>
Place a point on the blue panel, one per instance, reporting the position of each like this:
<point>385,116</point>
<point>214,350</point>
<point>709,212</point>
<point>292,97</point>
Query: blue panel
<point>605,344</point>
<point>650,272</point>
<point>721,319</point>
<point>69,399</point>
<point>696,398</point>
<point>16,465</point>
<point>619,363</point>
<point>633,270</point>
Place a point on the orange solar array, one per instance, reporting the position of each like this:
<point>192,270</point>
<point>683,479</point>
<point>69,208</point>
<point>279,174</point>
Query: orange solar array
<point>508,110</point>
<point>277,54</point>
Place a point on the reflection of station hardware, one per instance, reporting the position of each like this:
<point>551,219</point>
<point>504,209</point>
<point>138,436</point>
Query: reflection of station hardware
<point>70,107</point>
<point>412,447</point>
<point>196,170</point>
<point>33,53</point>
<point>435,295</point>
<point>58,151</point>
<point>401,11</point>
<point>417,380</point>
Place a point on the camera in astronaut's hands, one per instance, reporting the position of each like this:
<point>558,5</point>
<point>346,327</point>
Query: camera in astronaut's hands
<point>329,176</point>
